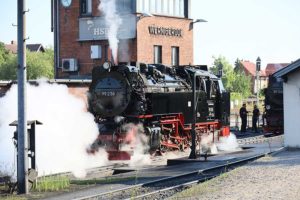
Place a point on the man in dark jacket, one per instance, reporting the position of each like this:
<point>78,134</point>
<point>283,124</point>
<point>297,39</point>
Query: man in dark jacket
<point>243,115</point>
<point>255,117</point>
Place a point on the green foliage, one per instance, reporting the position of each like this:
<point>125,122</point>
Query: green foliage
<point>235,81</point>
<point>8,69</point>
<point>12,197</point>
<point>4,54</point>
<point>242,84</point>
<point>38,65</point>
<point>236,96</point>
<point>228,73</point>
<point>51,183</point>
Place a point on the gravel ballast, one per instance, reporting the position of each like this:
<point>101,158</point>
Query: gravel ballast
<point>271,177</point>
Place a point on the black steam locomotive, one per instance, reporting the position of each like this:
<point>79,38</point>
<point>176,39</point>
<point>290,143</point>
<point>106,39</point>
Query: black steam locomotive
<point>273,115</point>
<point>160,98</point>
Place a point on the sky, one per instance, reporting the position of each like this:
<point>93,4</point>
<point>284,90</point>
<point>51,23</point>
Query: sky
<point>243,29</point>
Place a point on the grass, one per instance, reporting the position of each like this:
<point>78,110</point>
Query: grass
<point>12,197</point>
<point>51,183</point>
<point>100,181</point>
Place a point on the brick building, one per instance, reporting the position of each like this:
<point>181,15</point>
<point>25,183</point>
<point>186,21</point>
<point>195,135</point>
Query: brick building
<point>163,35</point>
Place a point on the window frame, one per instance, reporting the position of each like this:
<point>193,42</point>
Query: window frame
<point>157,60</point>
<point>177,52</point>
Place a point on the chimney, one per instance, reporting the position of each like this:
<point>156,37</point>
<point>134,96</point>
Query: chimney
<point>13,42</point>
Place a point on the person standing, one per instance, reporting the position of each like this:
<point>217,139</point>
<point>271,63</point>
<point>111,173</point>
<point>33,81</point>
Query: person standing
<point>255,118</point>
<point>243,115</point>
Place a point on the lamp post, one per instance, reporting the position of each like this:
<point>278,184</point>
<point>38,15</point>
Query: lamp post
<point>194,22</point>
<point>220,70</point>
<point>258,61</point>
<point>142,15</point>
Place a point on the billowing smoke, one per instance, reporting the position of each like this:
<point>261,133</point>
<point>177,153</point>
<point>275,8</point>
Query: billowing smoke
<point>207,145</point>
<point>228,143</point>
<point>224,144</point>
<point>113,22</point>
<point>61,141</point>
<point>137,142</point>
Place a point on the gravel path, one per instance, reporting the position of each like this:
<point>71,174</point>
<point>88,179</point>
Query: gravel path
<point>272,177</point>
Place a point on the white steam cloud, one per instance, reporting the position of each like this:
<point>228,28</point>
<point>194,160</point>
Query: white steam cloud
<point>137,142</point>
<point>61,141</point>
<point>228,143</point>
<point>113,21</point>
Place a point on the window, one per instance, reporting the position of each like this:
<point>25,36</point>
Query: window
<point>157,54</point>
<point>152,6</point>
<point>124,6</point>
<point>85,7</point>
<point>175,56</point>
<point>176,7</point>
<point>164,7</point>
<point>158,6</point>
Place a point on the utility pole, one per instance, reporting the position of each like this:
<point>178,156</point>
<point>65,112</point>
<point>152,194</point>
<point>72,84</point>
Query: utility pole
<point>22,158</point>
<point>257,79</point>
<point>194,107</point>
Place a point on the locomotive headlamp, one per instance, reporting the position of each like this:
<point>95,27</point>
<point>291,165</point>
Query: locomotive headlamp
<point>106,65</point>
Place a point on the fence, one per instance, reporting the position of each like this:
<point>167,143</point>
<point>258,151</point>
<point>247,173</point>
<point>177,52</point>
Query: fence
<point>235,121</point>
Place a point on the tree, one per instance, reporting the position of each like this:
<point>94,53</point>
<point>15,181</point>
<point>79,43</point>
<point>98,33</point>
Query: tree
<point>228,73</point>
<point>8,69</point>
<point>4,54</point>
<point>38,65</point>
<point>234,81</point>
<point>242,84</point>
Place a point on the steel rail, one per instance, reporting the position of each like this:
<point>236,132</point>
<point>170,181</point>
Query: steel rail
<point>205,178</point>
<point>160,181</point>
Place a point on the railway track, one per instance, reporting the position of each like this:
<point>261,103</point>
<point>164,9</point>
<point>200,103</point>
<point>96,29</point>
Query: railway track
<point>258,139</point>
<point>166,187</point>
<point>109,169</point>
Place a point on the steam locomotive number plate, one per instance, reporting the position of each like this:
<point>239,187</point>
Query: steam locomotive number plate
<point>108,94</point>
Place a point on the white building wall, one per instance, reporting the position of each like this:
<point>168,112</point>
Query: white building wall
<point>291,99</point>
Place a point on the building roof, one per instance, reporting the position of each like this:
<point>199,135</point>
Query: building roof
<point>284,72</point>
<point>35,47</point>
<point>250,68</point>
<point>13,47</point>
<point>273,67</point>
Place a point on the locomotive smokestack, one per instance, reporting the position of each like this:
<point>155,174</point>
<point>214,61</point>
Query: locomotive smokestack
<point>113,23</point>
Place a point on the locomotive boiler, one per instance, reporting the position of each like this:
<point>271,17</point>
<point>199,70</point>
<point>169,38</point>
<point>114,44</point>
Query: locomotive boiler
<point>159,98</point>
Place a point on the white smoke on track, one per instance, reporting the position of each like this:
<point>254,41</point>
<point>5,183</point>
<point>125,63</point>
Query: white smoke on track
<point>113,22</point>
<point>137,142</point>
<point>61,141</point>
<point>228,143</point>
<point>225,144</point>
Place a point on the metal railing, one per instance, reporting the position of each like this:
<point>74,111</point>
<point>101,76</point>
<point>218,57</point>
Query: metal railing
<point>236,121</point>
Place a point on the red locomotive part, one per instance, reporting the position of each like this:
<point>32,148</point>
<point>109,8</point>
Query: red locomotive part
<point>178,137</point>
